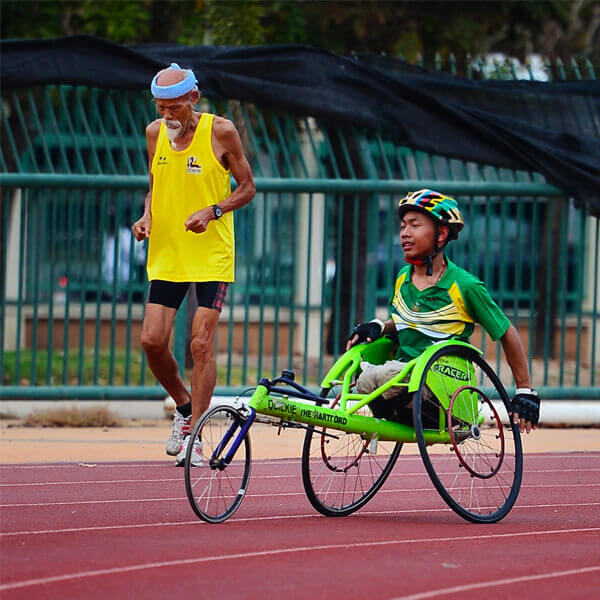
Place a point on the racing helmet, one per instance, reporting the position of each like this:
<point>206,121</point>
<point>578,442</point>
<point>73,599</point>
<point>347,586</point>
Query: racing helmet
<point>442,209</point>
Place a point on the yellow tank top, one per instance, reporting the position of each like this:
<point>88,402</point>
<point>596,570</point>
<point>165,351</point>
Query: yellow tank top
<point>184,182</point>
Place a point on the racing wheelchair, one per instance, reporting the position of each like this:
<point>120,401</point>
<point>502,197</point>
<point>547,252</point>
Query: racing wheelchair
<point>458,415</point>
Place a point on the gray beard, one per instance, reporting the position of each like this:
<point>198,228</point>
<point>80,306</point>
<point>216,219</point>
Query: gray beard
<point>174,129</point>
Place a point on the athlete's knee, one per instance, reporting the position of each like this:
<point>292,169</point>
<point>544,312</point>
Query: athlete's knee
<point>153,343</point>
<point>367,381</point>
<point>201,348</point>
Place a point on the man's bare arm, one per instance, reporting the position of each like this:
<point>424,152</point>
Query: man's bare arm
<point>230,149</point>
<point>515,355</point>
<point>141,228</point>
<point>517,360</point>
<point>239,166</point>
<point>152,132</point>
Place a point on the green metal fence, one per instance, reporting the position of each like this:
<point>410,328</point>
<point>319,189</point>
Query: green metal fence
<point>316,249</point>
<point>66,331</point>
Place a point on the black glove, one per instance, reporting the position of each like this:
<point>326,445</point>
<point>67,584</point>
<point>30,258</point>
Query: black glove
<point>372,329</point>
<point>527,404</point>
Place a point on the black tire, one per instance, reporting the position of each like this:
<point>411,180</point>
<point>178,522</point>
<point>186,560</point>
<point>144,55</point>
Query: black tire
<point>340,472</point>
<point>215,490</point>
<point>478,473</point>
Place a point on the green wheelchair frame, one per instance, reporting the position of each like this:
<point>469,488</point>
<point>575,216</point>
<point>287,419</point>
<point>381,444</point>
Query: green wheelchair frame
<point>444,378</point>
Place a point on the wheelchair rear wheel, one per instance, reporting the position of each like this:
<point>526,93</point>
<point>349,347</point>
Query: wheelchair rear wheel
<point>341,471</point>
<point>478,471</point>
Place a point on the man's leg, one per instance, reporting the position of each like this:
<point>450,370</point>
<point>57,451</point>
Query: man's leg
<point>394,403</point>
<point>204,375</point>
<point>211,296</point>
<point>202,346</point>
<point>156,332</point>
<point>374,376</point>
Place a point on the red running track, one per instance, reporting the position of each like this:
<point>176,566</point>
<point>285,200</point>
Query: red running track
<point>123,530</point>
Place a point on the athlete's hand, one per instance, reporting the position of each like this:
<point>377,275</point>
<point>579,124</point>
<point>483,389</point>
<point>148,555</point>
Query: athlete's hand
<point>198,221</point>
<point>525,408</point>
<point>141,228</point>
<point>365,332</point>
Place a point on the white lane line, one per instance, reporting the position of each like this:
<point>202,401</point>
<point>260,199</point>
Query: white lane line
<point>594,454</point>
<point>273,518</point>
<point>160,480</point>
<point>77,442</point>
<point>495,583</point>
<point>561,471</point>
<point>254,477</point>
<point>282,551</point>
<point>167,464</point>
<point>276,494</point>
<point>73,502</point>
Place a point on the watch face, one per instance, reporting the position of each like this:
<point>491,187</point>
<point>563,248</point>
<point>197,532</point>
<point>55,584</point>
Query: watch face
<point>218,212</point>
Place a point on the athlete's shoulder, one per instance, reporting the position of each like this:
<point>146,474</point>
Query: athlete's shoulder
<point>403,273</point>
<point>465,279</point>
<point>402,276</point>
<point>223,128</point>
<point>153,129</point>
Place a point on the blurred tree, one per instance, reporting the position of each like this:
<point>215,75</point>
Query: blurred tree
<point>30,20</point>
<point>118,21</point>
<point>556,28</point>
<point>236,22</point>
<point>516,28</point>
<point>192,30</point>
<point>115,20</point>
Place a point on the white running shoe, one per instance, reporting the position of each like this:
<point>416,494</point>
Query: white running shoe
<point>196,453</point>
<point>181,427</point>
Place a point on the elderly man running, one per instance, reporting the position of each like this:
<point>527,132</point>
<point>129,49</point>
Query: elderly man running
<point>188,216</point>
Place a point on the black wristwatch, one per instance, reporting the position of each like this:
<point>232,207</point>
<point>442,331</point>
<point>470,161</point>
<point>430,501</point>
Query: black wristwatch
<point>217,212</point>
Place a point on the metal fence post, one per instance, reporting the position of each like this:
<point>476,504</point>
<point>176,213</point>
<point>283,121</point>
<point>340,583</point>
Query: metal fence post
<point>13,253</point>
<point>592,293</point>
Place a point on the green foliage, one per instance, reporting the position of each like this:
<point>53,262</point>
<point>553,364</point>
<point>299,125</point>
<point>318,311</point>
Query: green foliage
<point>284,22</point>
<point>236,22</point>
<point>122,22</point>
<point>100,364</point>
<point>409,28</point>
<point>91,362</point>
<point>31,20</point>
<point>192,31</point>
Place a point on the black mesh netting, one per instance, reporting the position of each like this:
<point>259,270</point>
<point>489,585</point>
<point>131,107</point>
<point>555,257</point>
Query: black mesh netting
<point>551,128</point>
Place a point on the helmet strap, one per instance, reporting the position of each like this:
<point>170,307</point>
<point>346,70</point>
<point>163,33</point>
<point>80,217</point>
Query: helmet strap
<point>427,261</point>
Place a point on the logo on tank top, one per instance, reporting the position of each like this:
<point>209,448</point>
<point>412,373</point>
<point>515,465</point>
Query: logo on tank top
<point>162,160</point>
<point>193,166</point>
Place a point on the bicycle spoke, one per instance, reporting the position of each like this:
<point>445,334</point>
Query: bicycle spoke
<point>215,490</point>
<point>340,474</point>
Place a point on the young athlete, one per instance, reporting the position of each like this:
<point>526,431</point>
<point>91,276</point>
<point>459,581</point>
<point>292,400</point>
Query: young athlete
<point>435,300</point>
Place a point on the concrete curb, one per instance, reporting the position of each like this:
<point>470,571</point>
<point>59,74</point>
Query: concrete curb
<point>553,412</point>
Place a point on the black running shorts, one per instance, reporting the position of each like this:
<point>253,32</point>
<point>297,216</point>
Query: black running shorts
<point>209,294</point>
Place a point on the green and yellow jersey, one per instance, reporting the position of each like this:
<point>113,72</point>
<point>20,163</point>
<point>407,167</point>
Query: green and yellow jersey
<point>449,309</point>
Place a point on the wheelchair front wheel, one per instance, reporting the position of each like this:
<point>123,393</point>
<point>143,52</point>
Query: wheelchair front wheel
<point>478,472</point>
<point>342,471</point>
<point>216,489</point>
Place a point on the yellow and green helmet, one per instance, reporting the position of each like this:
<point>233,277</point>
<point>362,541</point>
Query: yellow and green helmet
<point>442,209</point>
